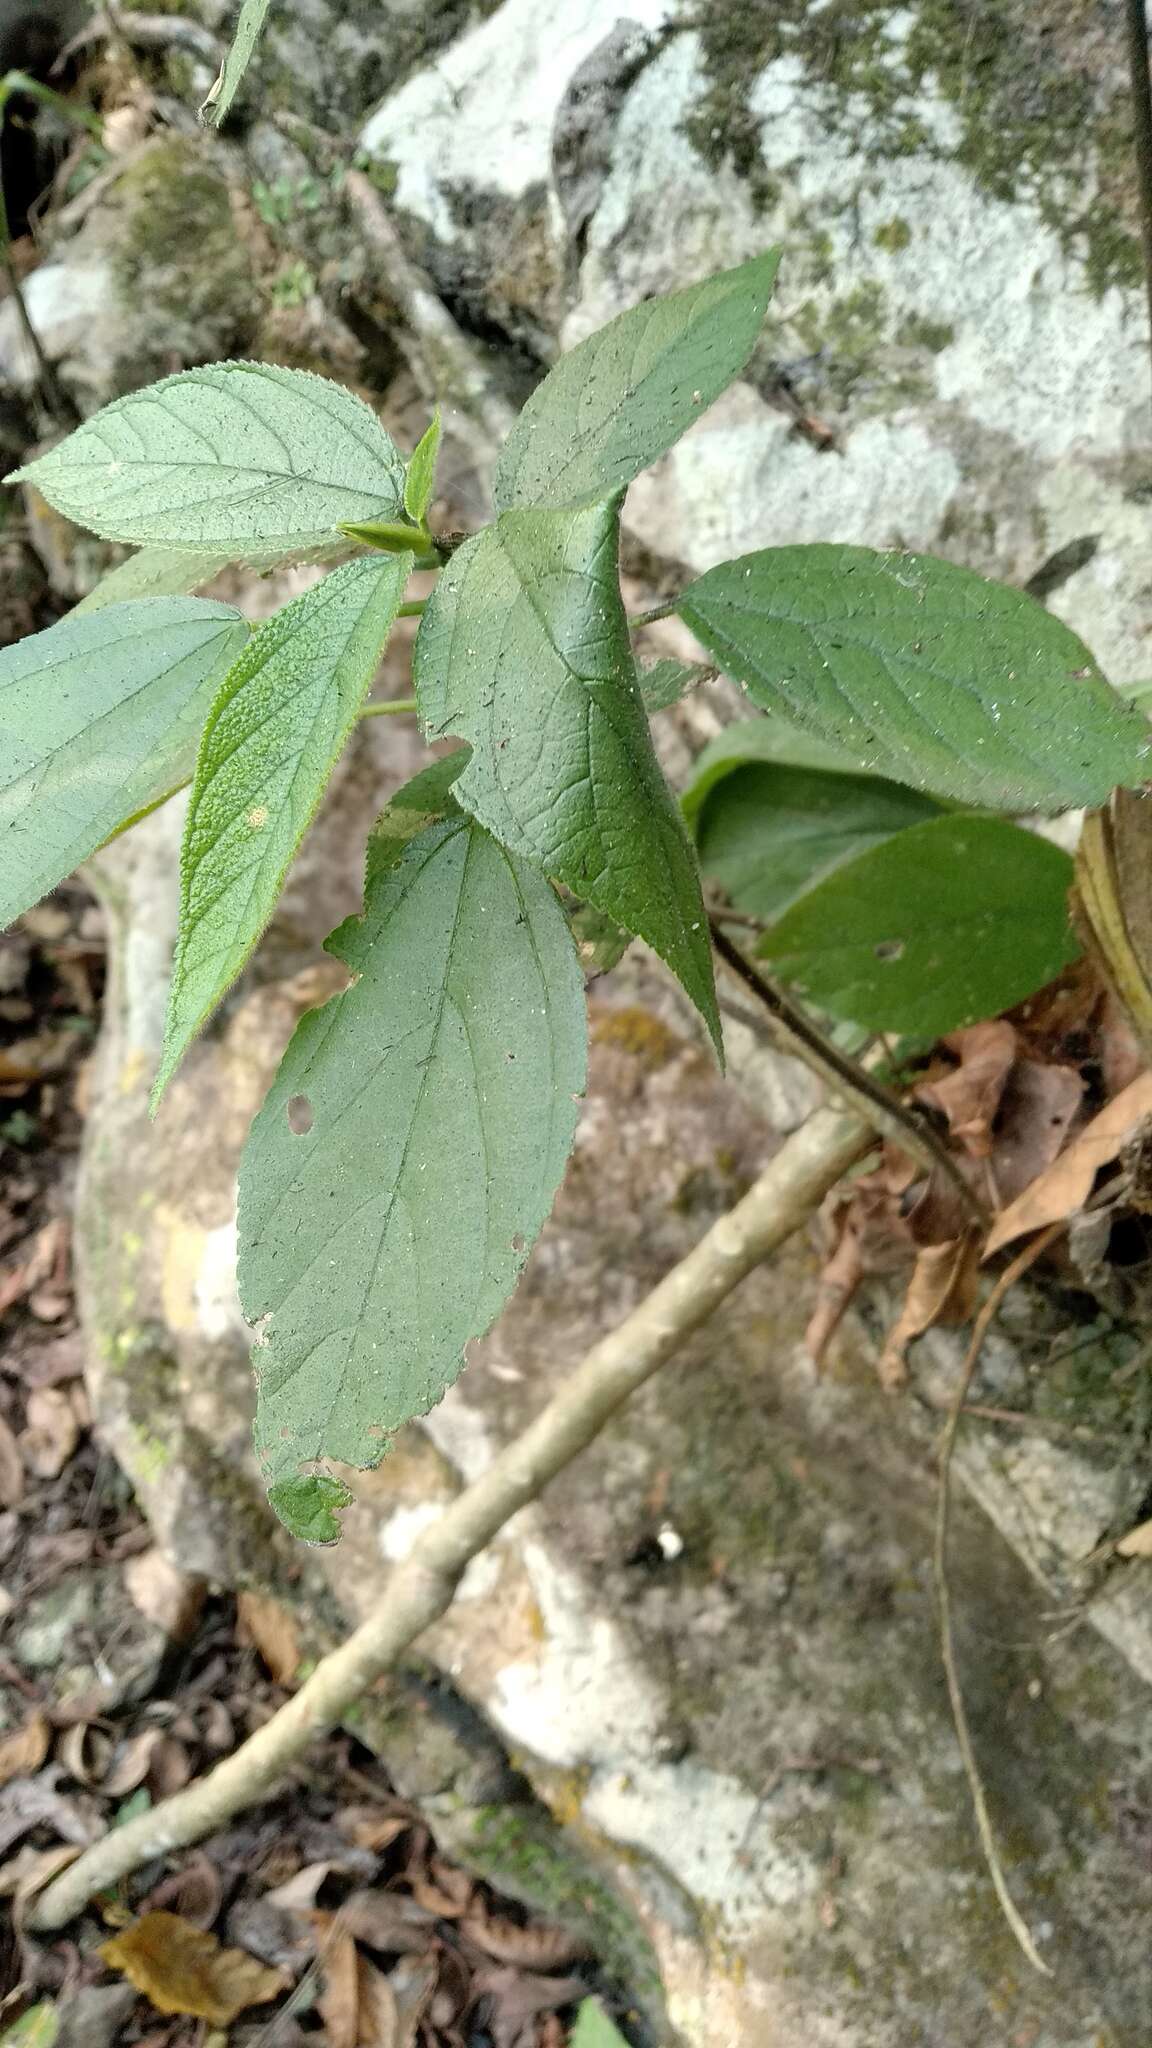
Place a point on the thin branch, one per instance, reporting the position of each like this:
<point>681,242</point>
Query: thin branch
<point>394,708</point>
<point>799,1035</point>
<point>1008,1279</point>
<point>421,1589</point>
<point>1141,88</point>
<point>650,617</point>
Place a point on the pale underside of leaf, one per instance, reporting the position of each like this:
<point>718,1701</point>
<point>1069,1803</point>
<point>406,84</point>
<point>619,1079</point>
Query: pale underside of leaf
<point>524,652</point>
<point>622,397</point>
<point>922,672</point>
<point>172,572</point>
<point>441,1093</point>
<point>273,737</point>
<point>100,716</point>
<point>228,458</point>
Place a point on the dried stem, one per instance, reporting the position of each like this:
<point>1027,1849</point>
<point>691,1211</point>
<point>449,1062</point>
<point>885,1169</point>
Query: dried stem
<point>1007,1280</point>
<point>421,1589</point>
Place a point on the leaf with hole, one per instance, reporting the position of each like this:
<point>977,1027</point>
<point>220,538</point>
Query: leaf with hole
<point>230,458</point>
<point>622,397</point>
<point>421,474</point>
<point>253,14</point>
<point>524,652</point>
<point>946,923</point>
<point>441,1093</point>
<point>100,717</point>
<point>922,672</point>
<point>273,737</point>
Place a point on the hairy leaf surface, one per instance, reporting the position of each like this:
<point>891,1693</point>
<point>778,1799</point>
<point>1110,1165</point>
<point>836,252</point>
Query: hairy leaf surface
<point>421,476</point>
<point>227,458</point>
<point>622,397</point>
<point>922,672</point>
<point>523,651</point>
<point>274,735</point>
<point>252,17</point>
<point>945,924</point>
<point>410,1147</point>
<point>100,717</point>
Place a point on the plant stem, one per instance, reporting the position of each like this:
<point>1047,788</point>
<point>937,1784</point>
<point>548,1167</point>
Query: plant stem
<point>413,608</point>
<point>394,708</point>
<point>800,1036</point>
<point>792,1186</point>
<point>649,618</point>
<point>1141,88</point>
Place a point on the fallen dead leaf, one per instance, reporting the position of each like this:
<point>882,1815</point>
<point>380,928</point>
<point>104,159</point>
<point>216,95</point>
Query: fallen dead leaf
<point>969,1097</point>
<point>266,1625</point>
<point>943,1289</point>
<point>166,1595</point>
<point>378,2018</point>
<point>537,1947</point>
<point>84,1752</point>
<point>1066,1185</point>
<point>388,1921</point>
<point>514,1999</point>
<point>25,1749</point>
<point>413,1982</point>
<point>52,1432</point>
<point>372,1827</point>
<point>132,1763</point>
<point>11,1469</point>
<point>194,1893</point>
<point>339,2001</point>
<point>1137,1543</point>
<point>181,1969</point>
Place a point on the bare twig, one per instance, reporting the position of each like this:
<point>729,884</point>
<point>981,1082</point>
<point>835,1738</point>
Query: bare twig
<point>1007,1279</point>
<point>1141,87</point>
<point>421,1589</point>
<point>796,1033</point>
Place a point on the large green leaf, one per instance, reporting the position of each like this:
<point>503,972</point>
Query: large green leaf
<point>944,924</point>
<point>594,2029</point>
<point>922,672</point>
<point>622,397</point>
<point>99,718</point>
<point>410,1147</point>
<point>523,651</point>
<point>228,458</point>
<point>170,572</point>
<point>768,833</point>
<point>748,740</point>
<point>272,739</point>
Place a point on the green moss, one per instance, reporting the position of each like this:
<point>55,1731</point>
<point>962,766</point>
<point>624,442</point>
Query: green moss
<point>1038,92</point>
<point>894,235</point>
<point>176,256</point>
<point>931,334</point>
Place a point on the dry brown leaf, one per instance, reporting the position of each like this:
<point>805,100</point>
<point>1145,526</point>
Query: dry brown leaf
<point>11,1469</point>
<point>969,1098</point>
<point>166,1595</point>
<point>52,1432</point>
<point>1040,1105</point>
<point>31,1871</point>
<point>514,2000</point>
<point>372,1827</point>
<point>839,1279</point>
<point>170,1769</point>
<point>943,1289</point>
<point>298,1894</point>
<point>268,1626</point>
<point>1137,1543</point>
<point>25,1749</point>
<point>132,1763</point>
<point>378,2019</point>
<point>339,2001</point>
<point>413,1982</point>
<point>181,1969</point>
<point>538,1947</point>
<point>388,1921</point>
<point>1065,1186</point>
<point>84,1752</point>
<point>194,1892</point>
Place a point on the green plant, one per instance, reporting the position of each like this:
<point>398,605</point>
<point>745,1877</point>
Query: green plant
<point>410,1148</point>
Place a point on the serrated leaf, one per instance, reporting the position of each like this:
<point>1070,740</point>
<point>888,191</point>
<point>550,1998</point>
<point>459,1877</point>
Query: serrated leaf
<point>99,719</point>
<point>421,477</point>
<point>252,17</point>
<point>154,572</point>
<point>622,397</point>
<point>273,737</point>
<point>308,1506</point>
<point>766,834</point>
<point>947,923</point>
<point>231,457</point>
<point>169,572</point>
<point>922,672</point>
<point>524,652</point>
<point>594,2029</point>
<point>410,1147</point>
<point>667,681</point>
